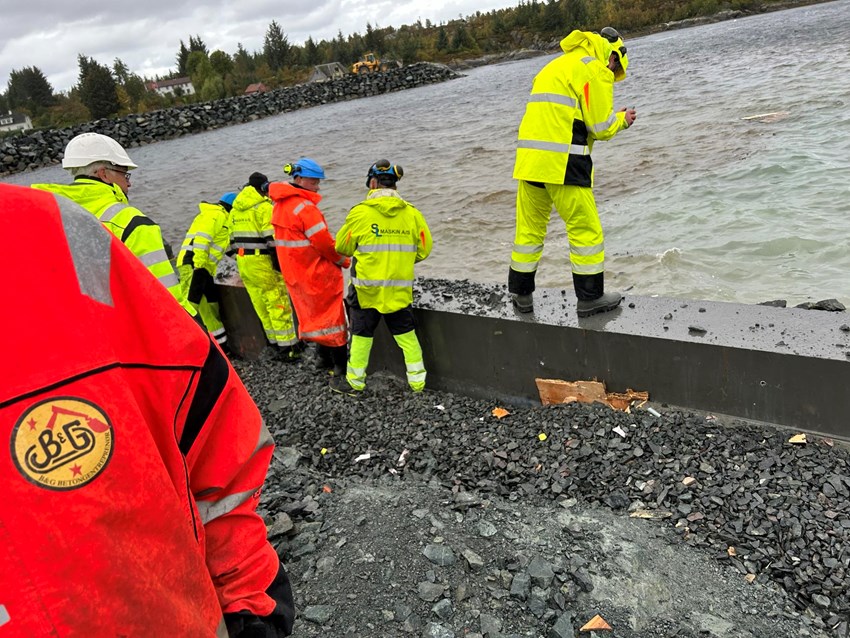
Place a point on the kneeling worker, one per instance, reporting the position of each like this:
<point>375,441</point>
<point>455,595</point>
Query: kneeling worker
<point>386,236</point>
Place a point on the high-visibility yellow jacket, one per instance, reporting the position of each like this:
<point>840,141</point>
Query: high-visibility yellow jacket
<point>571,105</point>
<point>250,221</point>
<point>386,236</point>
<point>135,230</point>
<point>207,239</point>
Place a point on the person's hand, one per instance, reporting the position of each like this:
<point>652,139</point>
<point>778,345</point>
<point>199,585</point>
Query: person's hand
<point>346,263</point>
<point>631,115</point>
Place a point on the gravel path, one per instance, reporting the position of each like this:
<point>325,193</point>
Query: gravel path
<point>678,525</point>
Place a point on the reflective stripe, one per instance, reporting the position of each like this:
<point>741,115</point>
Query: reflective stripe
<point>340,261</point>
<point>520,266</point>
<point>90,250</point>
<point>587,251</point>
<point>204,235</point>
<point>265,439</point>
<point>357,373</point>
<point>221,630</point>
<point>413,377</point>
<point>170,280</point>
<point>292,243</point>
<point>386,248</point>
<point>588,269</point>
<point>376,283</point>
<point>246,233</point>
<point>314,229</point>
<point>527,250</point>
<point>573,149</point>
<point>588,59</point>
<point>112,211</point>
<point>218,332</point>
<point>218,248</point>
<point>554,98</point>
<point>300,207</point>
<point>323,331</point>
<point>4,615</point>
<point>211,510</point>
<point>604,125</point>
<point>188,247</point>
<point>153,258</point>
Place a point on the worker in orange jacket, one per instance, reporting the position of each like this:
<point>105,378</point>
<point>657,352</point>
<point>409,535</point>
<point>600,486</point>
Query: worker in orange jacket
<point>134,457</point>
<point>311,266</point>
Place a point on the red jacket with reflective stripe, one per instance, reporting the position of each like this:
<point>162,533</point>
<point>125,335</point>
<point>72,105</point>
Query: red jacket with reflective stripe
<point>133,456</point>
<point>311,266</point>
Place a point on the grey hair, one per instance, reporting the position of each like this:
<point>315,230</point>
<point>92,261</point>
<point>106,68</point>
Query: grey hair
<point>91,169</point>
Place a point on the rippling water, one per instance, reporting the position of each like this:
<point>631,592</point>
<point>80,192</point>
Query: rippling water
<point>696,200</point>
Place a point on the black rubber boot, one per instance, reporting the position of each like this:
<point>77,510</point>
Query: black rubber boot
<point>523,303</point>
<point>521,287</point>
<point>592,298</point>
<point>339,356</point>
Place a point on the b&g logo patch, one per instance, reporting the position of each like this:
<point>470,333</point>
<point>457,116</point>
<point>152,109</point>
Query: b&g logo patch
<point>62,443</point>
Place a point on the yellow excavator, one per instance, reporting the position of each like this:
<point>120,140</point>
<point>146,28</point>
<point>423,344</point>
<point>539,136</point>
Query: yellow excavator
<point>370,63</point>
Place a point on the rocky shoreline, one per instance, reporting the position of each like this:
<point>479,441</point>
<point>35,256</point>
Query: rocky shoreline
<point>426,515</point>
<point>45,147</point>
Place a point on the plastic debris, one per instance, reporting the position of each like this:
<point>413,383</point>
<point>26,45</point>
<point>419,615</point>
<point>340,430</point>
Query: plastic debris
<point>653,412</point>
<point>327,489</point>
<point>499,413</point>
<point>650,514</point>
<point>440,407</point>
<point>597,623</point>
<point>798,439</point>
<point>619,430</point>
<point>542,436</point>
<point>324,451</point>
<point>363,457</point>
<point>402,458</point>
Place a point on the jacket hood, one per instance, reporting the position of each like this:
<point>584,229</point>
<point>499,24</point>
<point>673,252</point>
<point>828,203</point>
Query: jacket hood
<point>248,197</point>
<point>591,43</point>
<point>386,201</point>
<point>279,191</point>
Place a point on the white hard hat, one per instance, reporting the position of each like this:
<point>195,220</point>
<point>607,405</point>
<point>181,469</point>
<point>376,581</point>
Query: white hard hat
<point>86,148</point>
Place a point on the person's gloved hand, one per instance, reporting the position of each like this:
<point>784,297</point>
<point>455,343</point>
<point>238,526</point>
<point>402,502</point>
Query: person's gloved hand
<point>244,624</point>
<point>260,182</point>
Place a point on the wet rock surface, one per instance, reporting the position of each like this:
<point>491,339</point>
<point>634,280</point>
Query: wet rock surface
<point>462,524</point>
<point>43,148</point>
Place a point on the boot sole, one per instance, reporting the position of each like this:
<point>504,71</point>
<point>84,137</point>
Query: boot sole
<point>595,311</point>
<point>523,309</point>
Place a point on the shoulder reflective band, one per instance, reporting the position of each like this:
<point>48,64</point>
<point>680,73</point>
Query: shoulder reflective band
<point>89,243</point>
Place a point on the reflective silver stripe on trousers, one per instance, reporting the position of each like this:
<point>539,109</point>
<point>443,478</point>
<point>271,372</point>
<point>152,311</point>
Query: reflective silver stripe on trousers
<point>211,510</point>
<point>387,248</point>
<point>521,266</point>
<point>587,251</point>
<point>527,250</point>
<point>112,211</point>
<point>89,243</point>
<point>604,125</point>
<point>323,331</point>
<point>314,229</point>
<point>572,149</point>
<point>292,243</point>
<point>375,283</point>
<point>588,269</point>
<point>554,98</point>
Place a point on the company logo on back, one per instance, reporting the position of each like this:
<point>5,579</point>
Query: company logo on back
<point>62,443</point>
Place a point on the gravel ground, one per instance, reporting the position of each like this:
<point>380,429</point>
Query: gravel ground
<point>462,524</point>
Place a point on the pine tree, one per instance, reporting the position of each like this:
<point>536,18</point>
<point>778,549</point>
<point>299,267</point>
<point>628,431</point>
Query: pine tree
<point>29,89</point>
<point>182,58</point>
<point>97,88</point>
<point>276,47</point>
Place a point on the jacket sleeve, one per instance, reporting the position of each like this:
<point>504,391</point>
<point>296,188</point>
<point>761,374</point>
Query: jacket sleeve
<point>598,105</point>
<point>346,241</point>
<point>227,449</point>
<point>316,230</point>
<point>425,242</point>
<point>201,243</point>
<point>144,239</point>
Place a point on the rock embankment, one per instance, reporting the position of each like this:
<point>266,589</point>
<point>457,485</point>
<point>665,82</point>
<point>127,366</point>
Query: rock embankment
<point>43,148</point>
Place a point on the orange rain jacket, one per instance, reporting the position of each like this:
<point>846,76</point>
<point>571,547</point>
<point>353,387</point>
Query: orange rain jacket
<point>311,266</point>
<point>133,456</point>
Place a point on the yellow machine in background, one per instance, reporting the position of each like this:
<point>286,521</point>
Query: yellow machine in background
<point>370,63</point>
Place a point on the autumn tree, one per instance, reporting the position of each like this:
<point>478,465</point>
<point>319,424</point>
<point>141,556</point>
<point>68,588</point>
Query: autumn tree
<point>29,89</point>
<point>97,88</point>
<point>221,62</point>
<point>276,47</point>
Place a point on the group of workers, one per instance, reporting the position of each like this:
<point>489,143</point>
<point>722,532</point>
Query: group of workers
<point>136,457</point>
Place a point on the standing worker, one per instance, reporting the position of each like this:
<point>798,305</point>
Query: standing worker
<point>252,238</point>
<point>206,243</point>
<point>101,170</point>
<point>386,236</point>
<point>571,105</point>
<point>311,266</point>
<point>135,457</point>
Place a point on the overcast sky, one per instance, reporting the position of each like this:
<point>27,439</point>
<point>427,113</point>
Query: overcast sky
<point>146,35</point>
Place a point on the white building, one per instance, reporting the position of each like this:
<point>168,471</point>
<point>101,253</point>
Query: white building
<point>15,122</point>
<point>177,86</point>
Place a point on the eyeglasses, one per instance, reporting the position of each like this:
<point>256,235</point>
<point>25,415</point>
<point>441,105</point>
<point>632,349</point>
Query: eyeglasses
<point>126,174</point>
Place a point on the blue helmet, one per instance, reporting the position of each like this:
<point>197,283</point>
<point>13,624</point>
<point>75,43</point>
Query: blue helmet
<point>386,172</point>
<point>305,167</point>
<point>227,198</point>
